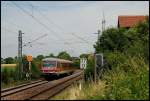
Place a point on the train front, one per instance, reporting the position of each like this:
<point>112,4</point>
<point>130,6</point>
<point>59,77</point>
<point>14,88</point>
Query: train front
<point>49,67</point>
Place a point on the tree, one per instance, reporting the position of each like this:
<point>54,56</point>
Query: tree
<point>40,57</point>
<point>2,61</point>
<point>84,55</point>
<point>50,55</point>
<point>15,59</point>
<point>139,38</point>
<point>64,55</point>
<point>9,60</point>
<point>112,39</point>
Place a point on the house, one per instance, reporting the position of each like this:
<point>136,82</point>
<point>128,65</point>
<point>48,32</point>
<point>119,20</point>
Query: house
<point>129,21</point>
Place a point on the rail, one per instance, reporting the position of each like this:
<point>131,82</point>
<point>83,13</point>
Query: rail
<point>43,91</point>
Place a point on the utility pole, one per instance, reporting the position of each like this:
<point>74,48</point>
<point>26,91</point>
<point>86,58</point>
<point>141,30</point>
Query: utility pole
<point>95,67</point>
<point>95,55</point>
<point>103,23</point>
<point>20,69</point>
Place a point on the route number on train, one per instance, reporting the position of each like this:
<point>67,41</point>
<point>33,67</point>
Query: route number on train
<point>83,63</point>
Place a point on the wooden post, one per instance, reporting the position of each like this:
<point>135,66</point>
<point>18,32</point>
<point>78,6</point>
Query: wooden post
<point>95,71</point>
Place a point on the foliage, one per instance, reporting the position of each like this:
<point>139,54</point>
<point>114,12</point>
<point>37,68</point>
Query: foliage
<point>35,70</point>
<point>139,40</point>
<point>112,39</point>
<point>127,52</point>
<point>89,71</point>
<point>39,57</point>
<point>9,60</point>
<point>84,55</point>
<point>7,75</point>
<point>76,63</point>
<point>129,79</point>
<point>2,61</point>
<point>64,55</point>
<point>50,55</point>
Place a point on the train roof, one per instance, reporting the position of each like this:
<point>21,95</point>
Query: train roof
<point>56,59</point>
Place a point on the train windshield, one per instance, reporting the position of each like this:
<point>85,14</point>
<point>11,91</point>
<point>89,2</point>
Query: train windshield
<point>49,63</point>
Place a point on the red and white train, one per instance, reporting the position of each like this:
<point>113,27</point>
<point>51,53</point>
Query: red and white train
<point>55,66</point>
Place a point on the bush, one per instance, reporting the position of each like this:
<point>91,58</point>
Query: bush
<point>7,75</point>
<point>129,81</point>
<point>35,71</point>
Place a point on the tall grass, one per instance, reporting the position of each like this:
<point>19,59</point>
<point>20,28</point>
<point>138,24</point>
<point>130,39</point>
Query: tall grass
<point>127,80</point>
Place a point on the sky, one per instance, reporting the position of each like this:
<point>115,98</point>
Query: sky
<point>68,25</point>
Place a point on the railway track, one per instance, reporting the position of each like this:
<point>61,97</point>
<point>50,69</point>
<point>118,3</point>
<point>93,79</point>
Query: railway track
<point>39,90</point>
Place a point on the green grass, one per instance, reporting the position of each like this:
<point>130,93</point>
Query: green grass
<point>12,84</point>
<point>8,67</point>
<point>128,80</point>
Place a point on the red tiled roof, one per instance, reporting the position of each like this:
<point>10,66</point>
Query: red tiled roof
<point>129,21</point>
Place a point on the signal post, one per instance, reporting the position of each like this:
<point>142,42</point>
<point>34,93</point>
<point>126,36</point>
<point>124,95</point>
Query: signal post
<point>29,59</point>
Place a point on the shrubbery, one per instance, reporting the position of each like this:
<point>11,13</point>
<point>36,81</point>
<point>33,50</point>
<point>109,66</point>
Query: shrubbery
<point>127,52</point>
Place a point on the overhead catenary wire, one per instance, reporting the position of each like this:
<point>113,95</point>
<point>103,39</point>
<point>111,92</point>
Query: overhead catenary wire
<point>58,26</point>
<point>37,20</point>
<point>6,29</point>
<point>66,43</point>
<point>35,40</point>
<point>47,20</point>
<point>45,26</point>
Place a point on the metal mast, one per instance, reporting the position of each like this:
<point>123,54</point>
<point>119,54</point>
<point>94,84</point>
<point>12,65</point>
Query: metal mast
<point>20,69</point>
<point>103,22</point>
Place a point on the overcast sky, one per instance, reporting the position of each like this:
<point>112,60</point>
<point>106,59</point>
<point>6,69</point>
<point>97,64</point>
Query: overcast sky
<point>69,25</point>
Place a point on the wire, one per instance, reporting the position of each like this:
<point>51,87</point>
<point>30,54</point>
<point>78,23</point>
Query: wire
<point>8,30</point>
<point>59,26</point>
<point>35,40</point>
<point>37,20</point>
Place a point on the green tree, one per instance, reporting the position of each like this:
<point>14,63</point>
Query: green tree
<point>15,59</point>
<point>64,55</point>
<point>2,61</point>
<point>112,39</point>
<point>84,55</point>
<point>40,57</point>
<point>9,60</point>
<point>139,40</point>
<point>50,55</point>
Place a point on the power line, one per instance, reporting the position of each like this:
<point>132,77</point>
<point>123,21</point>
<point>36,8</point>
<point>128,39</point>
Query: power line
<point>8,30</point>
<point>36,19</point>
<point>44,24</point>
<point>59,26</point>
<point>35,40</point>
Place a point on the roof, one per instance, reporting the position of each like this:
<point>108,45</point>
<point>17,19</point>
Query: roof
<point>56,59</point>
<point>129,21</point>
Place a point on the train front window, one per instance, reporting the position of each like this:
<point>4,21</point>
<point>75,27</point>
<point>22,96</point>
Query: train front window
<point>49,64</point>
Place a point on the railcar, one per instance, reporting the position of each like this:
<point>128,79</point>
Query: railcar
<point>55,67</point>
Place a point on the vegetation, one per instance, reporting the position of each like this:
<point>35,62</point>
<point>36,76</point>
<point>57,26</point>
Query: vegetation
<point>64,55</point>
<point>127,54</point>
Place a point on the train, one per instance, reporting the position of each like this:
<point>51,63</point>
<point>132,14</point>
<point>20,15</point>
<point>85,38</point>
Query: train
<point>55,67</point>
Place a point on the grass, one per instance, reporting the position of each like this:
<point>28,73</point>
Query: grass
<point>9,67</point>
<point>9,75</point>
<point>128,80</point>
<point>88,91</point>
<point>12,84</point>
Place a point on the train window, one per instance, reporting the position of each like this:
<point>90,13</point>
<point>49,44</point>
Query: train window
<point>49,63</point>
